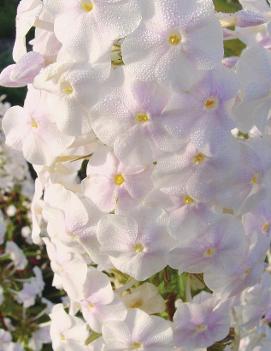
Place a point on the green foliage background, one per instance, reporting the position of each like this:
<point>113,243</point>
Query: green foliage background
<point>7,35</point>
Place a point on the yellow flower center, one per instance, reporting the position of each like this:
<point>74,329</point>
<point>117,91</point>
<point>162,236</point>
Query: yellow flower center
<point>136,304</point>
<point>199,158</point>
<point>211,103</point>
<point>175,39</point>
<point>142,117</point>
<point>266,228</point>
<point>91,305</point>
<point>34,123</point>
<point>119,179</point>
<point>136,345</point>
<point>246,273</point>
<point>188,200</point>
<point>62,337</point>
<point>228,211</point>
<point>87,6</point>
<point>255,179</point>
<point>200,328</point>
<point>209,252</point>
<point>138,247</point>
<point>67,88</point>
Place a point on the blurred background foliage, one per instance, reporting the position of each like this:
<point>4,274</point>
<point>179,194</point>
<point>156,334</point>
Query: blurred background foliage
<point>7,35</point>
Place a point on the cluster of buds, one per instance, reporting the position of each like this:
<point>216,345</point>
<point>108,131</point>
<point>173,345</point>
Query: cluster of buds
<point>152,150</point>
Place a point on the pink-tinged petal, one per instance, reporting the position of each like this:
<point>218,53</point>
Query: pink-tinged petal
<point>224,242</point>
<point>134,147</point>
<point>205,312</point>
<point>27,13</point>
<point>111,116</point>
<point>74,41</point>
<point>76,214</point>
<point>73,277</point>
<point>255,5</point>
<point>143,40</point>
<point>150,97</point>
<point>23,72</point>
<point>111,231</point>
<point>206,53</point>
<point>134,247</point>
<point>185,223</point>
<point>246,18</point>
<point>119,18</point>
<point>117,335</point>
<point>253,69</point>
<point>252,113</point>
<point>27,67</point>
<point>153,332</point>
<point>211,135</point>
<point>56,141</point>
<point>14,126</point>
<point>162,139</point>
<point>176,68</point>
<point>183,112</point>
<point>150,330</point>
<point>97,317</point>
<point>36,151</point>
<point>182,13</point>
<point>97,288</point>
<point>46,44</point>
<point>5,79</point>
<point>102,163</point>
<point>139,184</point>
<point>125,203</point>
<point>139,266</point>
<point>101,191</point>
<point>64,112</point>
<point>220,82</point>
<point>107,128</point>
<point>114,311</point>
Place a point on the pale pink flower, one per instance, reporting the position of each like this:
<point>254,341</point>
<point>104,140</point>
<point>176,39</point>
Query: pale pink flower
<point>138,331</point>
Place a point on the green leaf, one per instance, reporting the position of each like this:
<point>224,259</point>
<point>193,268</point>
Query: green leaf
<point>233,47</point>
<point>93,336</point>
<point>227,5</point>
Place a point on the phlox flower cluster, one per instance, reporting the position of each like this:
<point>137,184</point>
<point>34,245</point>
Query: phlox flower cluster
<point>24,308</point>
<point>152,151</point>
